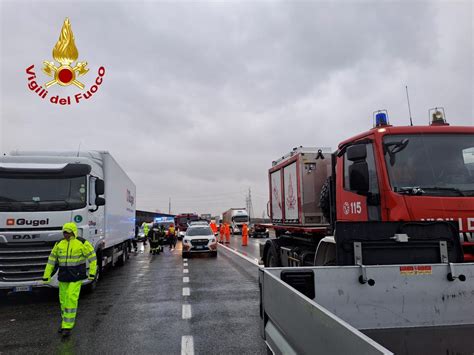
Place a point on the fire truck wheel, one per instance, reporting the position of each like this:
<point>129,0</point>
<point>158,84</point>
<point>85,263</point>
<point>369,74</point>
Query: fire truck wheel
<point>273,259</point>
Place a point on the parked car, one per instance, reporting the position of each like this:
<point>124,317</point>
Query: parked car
<point>257,231</point>
<point>199,239</point>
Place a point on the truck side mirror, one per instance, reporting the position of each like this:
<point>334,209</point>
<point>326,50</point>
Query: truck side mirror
<point>99,201</point>
<point>356,152</point>
<point>99,187</point>
<point>359,177</point>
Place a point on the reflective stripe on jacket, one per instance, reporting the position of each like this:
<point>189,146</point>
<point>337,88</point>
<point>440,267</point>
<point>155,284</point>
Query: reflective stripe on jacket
<point>71,257</point>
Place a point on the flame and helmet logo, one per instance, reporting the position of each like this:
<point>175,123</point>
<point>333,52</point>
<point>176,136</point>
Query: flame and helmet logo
<point>65,53</point>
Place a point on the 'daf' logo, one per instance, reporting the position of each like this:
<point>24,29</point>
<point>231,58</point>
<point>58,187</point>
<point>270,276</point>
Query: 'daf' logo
<point>65,71</point>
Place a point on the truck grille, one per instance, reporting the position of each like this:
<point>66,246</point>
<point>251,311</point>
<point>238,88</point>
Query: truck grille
<point>199,242</point>
<point>23,261</point>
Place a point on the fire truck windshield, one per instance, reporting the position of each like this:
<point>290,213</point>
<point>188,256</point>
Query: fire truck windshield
<point>431,164</point>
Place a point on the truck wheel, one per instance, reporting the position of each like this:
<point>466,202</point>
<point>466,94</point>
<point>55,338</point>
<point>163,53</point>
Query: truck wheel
<point>324,199</point>
<point>123,258</point>
<point>272,259</point>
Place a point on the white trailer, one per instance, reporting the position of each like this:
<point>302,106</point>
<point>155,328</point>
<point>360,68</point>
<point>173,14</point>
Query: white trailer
<point>40,191</point>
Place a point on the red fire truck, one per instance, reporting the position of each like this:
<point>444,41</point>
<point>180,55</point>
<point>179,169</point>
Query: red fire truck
<point>181,222</point>
<point>373,184</point>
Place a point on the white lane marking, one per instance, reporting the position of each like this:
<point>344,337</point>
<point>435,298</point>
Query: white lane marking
<point>250,260</point>
<point>187,345</point>
<point>186,311</point>
<point>185,279</point>
<point>185,259</point>
<point>185,264</point>
<point>185,271</point>
<point>186,291</point>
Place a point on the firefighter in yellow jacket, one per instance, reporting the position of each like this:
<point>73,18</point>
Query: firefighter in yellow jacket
<point>70,254</point>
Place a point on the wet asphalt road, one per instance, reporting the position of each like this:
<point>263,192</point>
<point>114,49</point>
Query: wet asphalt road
<point>139,308</point>
<point>252,250</point>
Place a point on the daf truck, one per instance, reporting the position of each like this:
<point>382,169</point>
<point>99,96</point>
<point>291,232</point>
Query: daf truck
<point>40,191</point>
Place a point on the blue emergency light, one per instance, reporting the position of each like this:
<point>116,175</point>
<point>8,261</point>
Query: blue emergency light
<point>381,119</point>
<point>163,219</point>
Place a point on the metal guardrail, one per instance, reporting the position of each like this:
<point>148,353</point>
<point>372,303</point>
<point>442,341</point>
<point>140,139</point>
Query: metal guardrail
<point>294,324</point>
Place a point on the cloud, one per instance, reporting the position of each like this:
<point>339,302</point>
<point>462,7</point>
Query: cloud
<point>199,98</point>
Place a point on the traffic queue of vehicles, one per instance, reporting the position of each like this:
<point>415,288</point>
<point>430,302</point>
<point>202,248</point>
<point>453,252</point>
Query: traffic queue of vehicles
<point>373,244</point>
<point>43,190</point>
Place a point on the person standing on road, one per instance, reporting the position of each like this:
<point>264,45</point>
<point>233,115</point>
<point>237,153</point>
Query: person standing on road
<point>71,254</point>
<point>213,227</point>
<point>134,240</point>
<point>146,231</point>
<point>227,233</point>
<point>172,236</point>
<point>245,235</point>
<point>154,237</point>
<point>221,233</point>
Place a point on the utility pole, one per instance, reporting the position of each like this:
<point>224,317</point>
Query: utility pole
<point>249,204</point>
<point>169,206</point>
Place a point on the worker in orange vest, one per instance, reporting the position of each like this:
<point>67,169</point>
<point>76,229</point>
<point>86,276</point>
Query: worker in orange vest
<point>227,233</point>
<point>221,232</point>
<point>213,227</point>
<point>245,235</point>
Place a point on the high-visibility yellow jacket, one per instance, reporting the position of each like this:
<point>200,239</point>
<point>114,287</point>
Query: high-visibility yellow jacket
<point>146,230</point>
<point>71,258</point>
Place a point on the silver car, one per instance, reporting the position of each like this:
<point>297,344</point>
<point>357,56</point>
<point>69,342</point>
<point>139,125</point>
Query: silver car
<point>199,239</point>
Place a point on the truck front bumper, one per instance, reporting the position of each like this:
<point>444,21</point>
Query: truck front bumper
<point>19,286</point>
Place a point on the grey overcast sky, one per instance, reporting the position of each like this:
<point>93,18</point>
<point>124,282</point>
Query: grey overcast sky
<point>199,97</point>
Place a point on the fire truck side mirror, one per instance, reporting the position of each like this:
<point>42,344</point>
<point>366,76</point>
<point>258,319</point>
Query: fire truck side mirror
<point>359,177</point>
<point>356,152</point>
